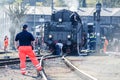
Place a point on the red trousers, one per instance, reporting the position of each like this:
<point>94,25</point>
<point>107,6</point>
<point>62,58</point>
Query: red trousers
<point>105,46</point>
<point>27,51</point>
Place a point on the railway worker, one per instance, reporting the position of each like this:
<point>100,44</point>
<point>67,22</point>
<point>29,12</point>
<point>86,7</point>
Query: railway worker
<point>105,45</point>
<point>59,46</point>
<point>92,41</point>
<point>24,47</point>
<point>5,43</point>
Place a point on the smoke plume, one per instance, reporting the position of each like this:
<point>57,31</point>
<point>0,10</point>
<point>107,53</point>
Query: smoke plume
<point>72,4</point>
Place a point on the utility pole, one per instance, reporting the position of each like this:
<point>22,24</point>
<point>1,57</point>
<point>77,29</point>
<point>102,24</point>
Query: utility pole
<point>97,25</point>
<point>34,19</point>
<point>52,6</point>
<point>84,3</point>
<point>33,3</point>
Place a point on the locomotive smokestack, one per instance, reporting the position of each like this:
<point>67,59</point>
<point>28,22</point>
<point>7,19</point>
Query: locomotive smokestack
<point>73,5</point>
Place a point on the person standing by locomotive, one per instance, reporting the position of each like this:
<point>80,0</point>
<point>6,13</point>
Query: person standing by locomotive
<point>5,43</point>
<point>92,41</point>
<point>24,47</point>
<point>59,46</point>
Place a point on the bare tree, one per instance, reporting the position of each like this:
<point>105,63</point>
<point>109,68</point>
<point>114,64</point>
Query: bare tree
<point>16,14</point>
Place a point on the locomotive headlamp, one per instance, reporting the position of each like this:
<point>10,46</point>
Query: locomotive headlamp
<point>60,20</point>
<point>68,36</point>
<point>50,36</point>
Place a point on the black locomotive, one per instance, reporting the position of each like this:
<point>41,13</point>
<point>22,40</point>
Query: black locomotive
<point>65,26</point>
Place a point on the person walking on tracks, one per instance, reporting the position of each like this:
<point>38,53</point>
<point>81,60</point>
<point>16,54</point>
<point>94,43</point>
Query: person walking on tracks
<point>24,47</point>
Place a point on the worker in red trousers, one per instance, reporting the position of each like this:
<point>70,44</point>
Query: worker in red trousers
<point>23,42</point>
<point>105,45</point>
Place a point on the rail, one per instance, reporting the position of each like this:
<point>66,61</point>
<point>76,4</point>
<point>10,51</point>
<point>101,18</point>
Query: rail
<point>85,76</point>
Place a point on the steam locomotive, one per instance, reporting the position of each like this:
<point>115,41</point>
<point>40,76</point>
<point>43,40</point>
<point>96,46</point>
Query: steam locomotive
<point>65,26</point>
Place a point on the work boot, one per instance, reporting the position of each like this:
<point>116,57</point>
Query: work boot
<point>39,68</point>
<point>24,73</point>
<point>38,74</point>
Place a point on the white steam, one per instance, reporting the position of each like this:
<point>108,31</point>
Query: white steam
<point>72,4</point>
<point>4,25</point>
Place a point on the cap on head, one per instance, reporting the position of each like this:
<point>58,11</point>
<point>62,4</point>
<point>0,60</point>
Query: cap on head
<point>25,26</point>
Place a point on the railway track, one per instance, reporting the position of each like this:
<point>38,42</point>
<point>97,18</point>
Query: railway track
<point>54,68</point>
<point>11,61</point>
<point>62,69</point>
